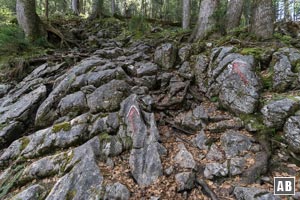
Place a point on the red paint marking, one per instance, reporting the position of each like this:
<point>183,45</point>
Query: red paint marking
<point>236,69</point>
<point>132,111</point>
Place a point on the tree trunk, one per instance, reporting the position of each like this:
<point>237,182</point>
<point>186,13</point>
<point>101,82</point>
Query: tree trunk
<point>29,20</point>
<point>186,14</point>
<point>206,21</point>
<point>233,14</point>
<point>47,9</point>
<point>262,19</point>
<point>96,9</point>
<point>75,7</point>
<point>287,11</point>
<point>113,7</point>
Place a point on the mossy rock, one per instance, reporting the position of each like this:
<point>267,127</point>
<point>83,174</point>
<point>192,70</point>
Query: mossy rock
<point>65,126</point>
<point>257,53</point>
<point>24,143</point>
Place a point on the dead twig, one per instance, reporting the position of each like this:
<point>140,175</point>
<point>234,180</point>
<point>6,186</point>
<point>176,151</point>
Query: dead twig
<point>206,189</point>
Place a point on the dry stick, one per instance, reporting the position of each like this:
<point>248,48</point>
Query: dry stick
<point>206,188</point>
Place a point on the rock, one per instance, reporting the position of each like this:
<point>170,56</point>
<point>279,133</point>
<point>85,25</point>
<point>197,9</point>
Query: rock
<point>221,126</point>
<point>200,69</point>
<point>237,166</point>
<point>165,55</point>
<point>34,192</point>
<point>107,98</point>
<point>169,170</point>
<point>285,60</point>
<point>4,88</point>
<point>215,170</point>
<point>144,161</point>
<point>185,52</point>
<point>275,113</point>
<point>116,191</point>
<point>109,52</point>
<point>189,121</point>
<point>9,132</point>
<point>75,103</point>
<point>292,132</point>
<point>147,69</point>
<point>184,158</point>
<point>200,141</point>
<point>185,181</point>
<point>232,77</point>
<point>253,193</point>
<point>77,184</point>
<point>235,143</point>
<point>214,153</point>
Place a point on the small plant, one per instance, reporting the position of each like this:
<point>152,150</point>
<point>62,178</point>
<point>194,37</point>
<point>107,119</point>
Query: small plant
<point>138,25</point>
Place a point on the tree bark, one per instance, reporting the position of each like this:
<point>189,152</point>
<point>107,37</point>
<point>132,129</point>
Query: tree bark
<point>47,9</point>
<point>262,19</point>
<point>96,9</point>
<point>287,16</point>
<point>113,7</point>
<point>206,21</point>
<point>29,20</point>
<point>186,14</point>
<point>233,14</point>
<point>75,7</point>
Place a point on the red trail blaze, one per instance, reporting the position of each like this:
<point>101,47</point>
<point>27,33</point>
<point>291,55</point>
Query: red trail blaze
<point>132,111</point>
<point>236,68</point>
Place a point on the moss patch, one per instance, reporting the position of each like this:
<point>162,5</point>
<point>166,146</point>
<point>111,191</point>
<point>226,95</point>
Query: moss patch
<point>24,143</point>
<point>71,194</point>
<point>255,52</point>
<point>65,126</point>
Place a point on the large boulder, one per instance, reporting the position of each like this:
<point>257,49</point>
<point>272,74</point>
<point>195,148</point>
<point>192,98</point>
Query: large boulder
<point>292,132</point>
<point>165,55</point>
<point>253,193</point>
<point>232,76</point>
<point>276,112</point>
<point>144,161</point>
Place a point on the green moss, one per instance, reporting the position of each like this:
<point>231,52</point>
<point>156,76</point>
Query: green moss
<point>65,126</point>
<point>24,142</point>
<point>127,142</point>
<point>71,194</point>
<point>214,99</point>
<point>267,79</point>
<point>254,120</point>
<point>283,38</point>
<point>255,52</point>
<point>3,126</point>
<point>104,137</point>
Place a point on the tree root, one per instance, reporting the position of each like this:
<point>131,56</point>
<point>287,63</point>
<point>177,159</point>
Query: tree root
<point>64,41</point>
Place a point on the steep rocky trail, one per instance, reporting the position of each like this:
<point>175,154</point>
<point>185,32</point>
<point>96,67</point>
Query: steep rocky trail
<point>140,121</point>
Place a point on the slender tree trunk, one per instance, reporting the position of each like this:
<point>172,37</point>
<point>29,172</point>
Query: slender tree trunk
<point>233,14</point>
<point>47,9</point>
<point>96,9</point>
<point>29,20</point>
<point>206,21</point>
<point>186,14</point>
<point>75,7</point>
<point>287,11</point>
<point>113,7</point>
<point>262,19</point>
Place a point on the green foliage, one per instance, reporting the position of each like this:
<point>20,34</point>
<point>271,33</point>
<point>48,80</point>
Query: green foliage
<point>6,16</point>
<point>65,126</point>
<point>12,39</point>
<point>286,39</point>
<point>138,25</point>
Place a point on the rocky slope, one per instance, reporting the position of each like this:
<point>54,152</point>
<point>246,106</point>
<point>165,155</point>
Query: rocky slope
<point>140,121</point>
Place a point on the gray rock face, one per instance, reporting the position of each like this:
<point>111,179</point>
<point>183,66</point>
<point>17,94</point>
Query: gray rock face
<point>215,170</point>
<point>200,69</point>
<point>200,140</point>
<point>292,132</point>
<point>233,77</point>
<point>107,98</point>
<point>185,52</point>
<point>276,112</point>
<point>253,193</point>
<point>117,191</point>
<point>184,158</point>
<point>284,78</point>
<point>214,153</point>
<point>235,143</point>
<point>185,181</point>
<point>144,158</point>
<point>165,55</point>
<point>78,184</point>
<point>34,192</point>
<point>147,69</point>
<point>75,102</point>
<point>109,52</point>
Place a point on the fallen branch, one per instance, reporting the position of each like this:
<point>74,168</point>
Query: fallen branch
<point>206,189</point>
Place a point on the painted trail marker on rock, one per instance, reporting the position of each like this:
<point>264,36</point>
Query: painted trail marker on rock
<point>130,116</point>
<point>235,67</point>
